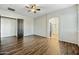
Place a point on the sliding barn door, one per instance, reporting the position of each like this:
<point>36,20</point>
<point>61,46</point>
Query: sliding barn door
<point>20,28</point>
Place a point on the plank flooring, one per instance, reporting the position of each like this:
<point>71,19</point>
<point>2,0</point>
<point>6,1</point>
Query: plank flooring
<point>69,48</point>
<point>36,45</point>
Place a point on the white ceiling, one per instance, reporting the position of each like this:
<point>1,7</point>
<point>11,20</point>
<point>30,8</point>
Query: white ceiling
<point>45,8</point>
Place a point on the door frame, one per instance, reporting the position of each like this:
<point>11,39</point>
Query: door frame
<point>49,27</point>
<point>21,28</point>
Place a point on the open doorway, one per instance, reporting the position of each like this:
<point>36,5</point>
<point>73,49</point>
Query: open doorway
<point>20,30</point>
<point>54,27</point>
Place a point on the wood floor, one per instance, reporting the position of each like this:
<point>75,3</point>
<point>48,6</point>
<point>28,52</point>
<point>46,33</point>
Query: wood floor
<point>36,45</point>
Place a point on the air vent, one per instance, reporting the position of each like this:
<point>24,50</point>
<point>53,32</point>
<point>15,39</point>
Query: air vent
<point>11,9</point>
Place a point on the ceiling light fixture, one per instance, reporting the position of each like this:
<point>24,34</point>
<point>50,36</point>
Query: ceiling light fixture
<point>32,8</point>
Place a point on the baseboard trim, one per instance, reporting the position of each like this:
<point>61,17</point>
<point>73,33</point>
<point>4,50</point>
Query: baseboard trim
<point>68,42</point>
<point>40,35</point>
<point>8,36</point>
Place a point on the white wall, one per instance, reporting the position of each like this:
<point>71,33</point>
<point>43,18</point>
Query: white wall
<point>40,26</point>
<point>28,27</point>
<point>28,21</point>
<point>68,25</point>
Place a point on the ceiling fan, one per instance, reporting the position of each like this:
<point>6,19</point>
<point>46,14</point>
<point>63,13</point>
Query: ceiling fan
<point>32,8</point>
